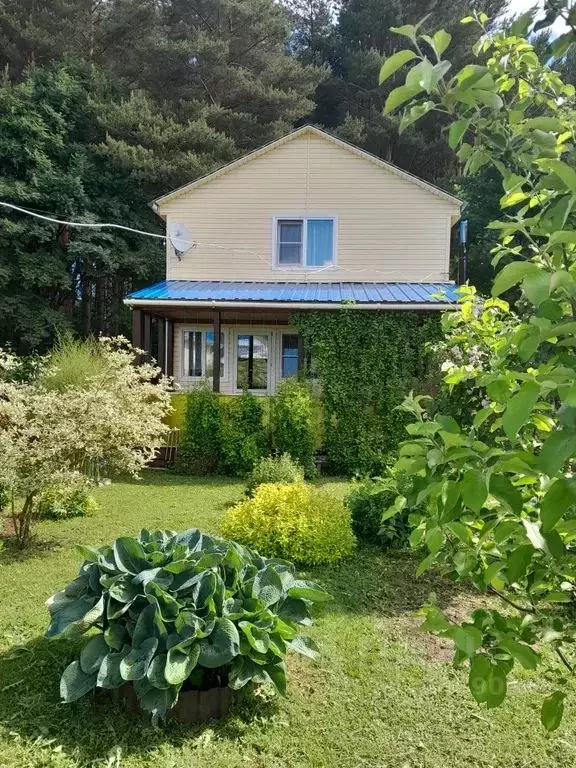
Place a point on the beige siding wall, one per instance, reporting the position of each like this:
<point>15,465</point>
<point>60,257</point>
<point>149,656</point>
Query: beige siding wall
<point>388,228</point>
<point>228,382</point>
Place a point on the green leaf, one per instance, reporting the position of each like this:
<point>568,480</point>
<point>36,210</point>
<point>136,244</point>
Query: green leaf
<point>268,586</point>
<point>545,123</point>
<point>109,673</point>
<point>503,490</point>
<point>242,671</point>
<point>536,287</point>
<point>70,617</point>
<point>473,489</point>
<point>558,448</point>
<point>534,535</point>
<point>156,672</point>
<point>467,639</point>
<point>553,710</point>
<point>406,30</point>
<point>180,662</point>
<point>497,686</point>
<point>92,655</point>
<point>521,652</point>
<point>565,172</point>
<point>305,646</point>
<point>135,664</point>
<point>277,674</point>
<point>155,700</point>
<point>221,646</point>
<point>129,555</point>
<point>400,96</point>
<point>75,683</point>
<point>442,40</point>
<point>479,677</point>
<point>258,638</point>
<point>559,497</point>
<point>512,274</point>
<point>563,237</point>
<point>513,198</point>
<point>518,561</point>
<point>519,408</point>
<point>308,590</point>
<point>393,63</point>
<point>457,131</point>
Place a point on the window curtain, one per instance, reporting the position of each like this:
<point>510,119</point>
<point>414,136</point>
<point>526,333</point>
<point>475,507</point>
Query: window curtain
<point>320,242</point>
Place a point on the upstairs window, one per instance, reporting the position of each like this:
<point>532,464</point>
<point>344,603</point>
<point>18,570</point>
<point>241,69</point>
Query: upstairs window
<point>305,243</point>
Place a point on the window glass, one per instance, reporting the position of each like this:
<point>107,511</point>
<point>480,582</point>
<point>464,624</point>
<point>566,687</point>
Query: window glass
<point>193,345</point>
<point>210,354</point>
<point>252,362</point>
<point>289,355</point>
<point>319,242</point>
<point>290,242</point>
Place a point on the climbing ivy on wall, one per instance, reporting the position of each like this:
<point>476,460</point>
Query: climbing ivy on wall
<point>366,362</point>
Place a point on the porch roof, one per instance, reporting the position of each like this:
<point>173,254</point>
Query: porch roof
<point>369,295</point>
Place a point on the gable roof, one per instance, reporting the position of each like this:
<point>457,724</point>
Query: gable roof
<point>313,131</point>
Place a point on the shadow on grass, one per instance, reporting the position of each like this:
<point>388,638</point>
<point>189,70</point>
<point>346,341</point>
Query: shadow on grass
<point>11,552</point>
<point>383,583</point>
<point>169,477</point>
<point>95,726</point>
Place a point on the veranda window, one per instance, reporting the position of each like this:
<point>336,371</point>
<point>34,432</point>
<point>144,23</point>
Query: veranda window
<point>198,354</point>
<point>252,355</point>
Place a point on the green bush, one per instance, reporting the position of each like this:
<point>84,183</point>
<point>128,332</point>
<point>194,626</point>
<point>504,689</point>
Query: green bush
<point>200,445</point>
<point>74,363</point>
<point>274,469</point>
<point>297,522</point>
<point>292,423</point>
<point>64,501</point>
<point>243,439</point>
<point>369,499</point>
<point>177,612</point>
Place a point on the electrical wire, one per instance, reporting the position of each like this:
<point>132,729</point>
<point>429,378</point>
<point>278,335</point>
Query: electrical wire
<point>195,243</point>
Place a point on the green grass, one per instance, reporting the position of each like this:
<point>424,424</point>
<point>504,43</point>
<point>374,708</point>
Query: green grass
<point>382,696</point>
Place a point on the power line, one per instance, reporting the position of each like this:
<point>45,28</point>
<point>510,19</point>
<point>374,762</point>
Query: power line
<point>195,243</point>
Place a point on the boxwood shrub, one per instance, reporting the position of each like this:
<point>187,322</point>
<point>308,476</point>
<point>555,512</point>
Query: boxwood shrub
<point>63,501</point>
<point>297,521</point>
<point>181,611</point>
<point>274,469</point>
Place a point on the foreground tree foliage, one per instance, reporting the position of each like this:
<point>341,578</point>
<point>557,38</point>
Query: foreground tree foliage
<point>501,494</point>
<point>53,433</point>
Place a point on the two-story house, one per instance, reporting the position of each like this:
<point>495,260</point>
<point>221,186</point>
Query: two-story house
<point>307,222</point>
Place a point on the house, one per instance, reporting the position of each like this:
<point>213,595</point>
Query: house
<point>307,222</point>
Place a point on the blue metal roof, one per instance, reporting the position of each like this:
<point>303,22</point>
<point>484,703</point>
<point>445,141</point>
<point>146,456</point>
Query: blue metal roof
<point>298,293</point>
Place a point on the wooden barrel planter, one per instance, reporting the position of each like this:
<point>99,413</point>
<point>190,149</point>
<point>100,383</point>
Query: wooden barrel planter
<point>192,706</point>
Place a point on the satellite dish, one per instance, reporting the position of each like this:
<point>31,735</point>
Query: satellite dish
<point>180,239</point>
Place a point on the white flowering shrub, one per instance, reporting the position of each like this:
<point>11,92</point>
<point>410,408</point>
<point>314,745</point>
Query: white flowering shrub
<point>114,421</point>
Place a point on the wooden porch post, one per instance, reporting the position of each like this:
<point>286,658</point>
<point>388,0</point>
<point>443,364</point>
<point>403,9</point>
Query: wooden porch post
<point>169,347</point>
<point>162,343</point>
<point>137,328</point>
<point>217,358</point>
<point>146,334</point>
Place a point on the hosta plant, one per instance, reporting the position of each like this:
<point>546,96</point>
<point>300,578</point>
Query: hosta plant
<point>181,611</point>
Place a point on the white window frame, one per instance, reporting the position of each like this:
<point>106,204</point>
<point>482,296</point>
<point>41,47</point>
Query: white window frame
<point>303,267</point>
<point>254,332</point>
<point>204,330</point>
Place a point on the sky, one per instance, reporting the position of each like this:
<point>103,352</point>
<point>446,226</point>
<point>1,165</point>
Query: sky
<point>519,6</point>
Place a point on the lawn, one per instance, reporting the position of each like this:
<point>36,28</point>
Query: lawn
<point>382,695</point>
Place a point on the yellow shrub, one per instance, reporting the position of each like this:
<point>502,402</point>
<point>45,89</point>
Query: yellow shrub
<point>296,522</point>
